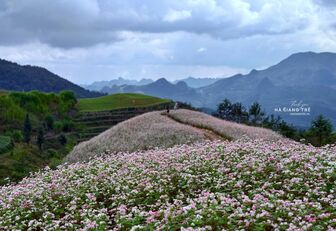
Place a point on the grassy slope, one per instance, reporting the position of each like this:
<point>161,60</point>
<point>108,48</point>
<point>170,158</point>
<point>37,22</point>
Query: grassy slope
<point>118,101</point>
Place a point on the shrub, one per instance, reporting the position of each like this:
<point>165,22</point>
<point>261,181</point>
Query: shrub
<point>49,120</point>
<point>62,139</point>
<point>67,125</point>
<point>5,144</point>
<point>52,153</point>
<point>17,136</point>
<point>58,126</point>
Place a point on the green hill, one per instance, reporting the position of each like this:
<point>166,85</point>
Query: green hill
<point>15,77</point>
<point>99,114</point>
<point>119,101</point>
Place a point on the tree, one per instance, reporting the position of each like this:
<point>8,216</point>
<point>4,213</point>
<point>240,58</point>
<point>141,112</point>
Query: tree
<point>287,130</point>
<point>224,110</point>
<point>256,114</point>
<point>272,122</point>
<point>49,119</point>
<point>40,138</point>
<point>68,101</point>
<point>322,129</point>
<point>17,136</point>
<point>62,139</point>
<point>239,113</point>
<point>27,129</point>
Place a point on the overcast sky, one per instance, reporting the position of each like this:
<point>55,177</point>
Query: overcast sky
<point>89,40</point>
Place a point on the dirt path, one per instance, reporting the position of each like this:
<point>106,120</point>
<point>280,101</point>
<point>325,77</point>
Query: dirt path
<point>210,135</point>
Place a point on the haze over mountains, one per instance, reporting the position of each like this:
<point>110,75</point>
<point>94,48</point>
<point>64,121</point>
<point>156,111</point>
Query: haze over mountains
<point>303,80</point>
<point>190,81</point>
<point>98,85</point>
<point>306,79</point>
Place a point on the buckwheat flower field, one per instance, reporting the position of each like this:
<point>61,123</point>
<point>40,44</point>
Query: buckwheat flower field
<point>240,185</point>
<point>225,128</point>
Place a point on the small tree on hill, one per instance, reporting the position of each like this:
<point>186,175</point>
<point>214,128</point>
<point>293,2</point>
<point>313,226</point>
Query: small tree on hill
<point>321,129</point>
<point>239,113</point>
<point>40,138</point>
<point>272,122</point>
<point>256,114</point>
<point>27,129</point>
<point>224,110</point>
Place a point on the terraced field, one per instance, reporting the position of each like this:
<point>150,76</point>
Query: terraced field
<point>99,114</point>
<point>119,101</point>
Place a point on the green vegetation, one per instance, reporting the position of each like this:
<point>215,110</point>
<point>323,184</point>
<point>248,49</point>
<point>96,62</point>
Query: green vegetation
<point>39,129</point>
<point>320,133</point>
<point>5,144</point>
<point>119,101</point>
<point>29,137</point>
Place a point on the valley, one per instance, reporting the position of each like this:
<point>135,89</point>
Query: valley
<point>305,77</point>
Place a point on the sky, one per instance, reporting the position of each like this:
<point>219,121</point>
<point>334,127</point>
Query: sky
<point>91,40</point>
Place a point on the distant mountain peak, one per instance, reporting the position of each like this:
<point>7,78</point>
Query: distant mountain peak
<point>162,81</point>
<point>182,84</point>
<point>309,55</point>
<point>253,71</point>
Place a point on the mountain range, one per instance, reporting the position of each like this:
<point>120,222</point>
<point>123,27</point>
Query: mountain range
<point>15,77</point>
<point>99,85</point>
<point>298,88</point>
<point>104,85</point>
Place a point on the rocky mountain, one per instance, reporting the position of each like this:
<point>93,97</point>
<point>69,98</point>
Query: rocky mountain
<point>15,77</point>
<point>99,85</point>
<point>302,81</point>
<point>198,82</point>
<point>298,89</point>
<point>160,88</point>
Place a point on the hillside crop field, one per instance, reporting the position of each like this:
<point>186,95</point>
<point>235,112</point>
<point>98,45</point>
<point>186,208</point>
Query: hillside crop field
<point>143,132</point>
<point>157,129</point>
<point>118,101</point>
<point>224,128</point>
<point>239,185</point>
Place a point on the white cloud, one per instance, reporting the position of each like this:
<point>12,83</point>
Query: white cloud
<point>83,39</point>
<point>89,22</point>
<point>201,49</point>
<point>175,15</point>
